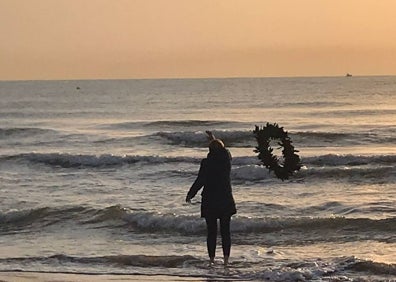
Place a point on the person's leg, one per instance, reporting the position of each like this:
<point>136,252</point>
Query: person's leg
<point>225,237</point>
<point>211,225</point>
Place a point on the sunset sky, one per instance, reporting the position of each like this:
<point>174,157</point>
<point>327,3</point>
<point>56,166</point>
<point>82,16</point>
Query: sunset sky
<point>97,39</point>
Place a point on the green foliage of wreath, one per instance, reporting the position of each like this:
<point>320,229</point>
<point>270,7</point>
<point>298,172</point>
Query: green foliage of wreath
<point>291,161</point>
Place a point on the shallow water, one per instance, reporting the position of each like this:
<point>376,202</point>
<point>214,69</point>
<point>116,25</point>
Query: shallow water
<point>93,180</point>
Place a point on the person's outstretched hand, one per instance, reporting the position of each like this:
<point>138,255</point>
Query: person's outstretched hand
<point>210,135</point>
<point>188,199</point>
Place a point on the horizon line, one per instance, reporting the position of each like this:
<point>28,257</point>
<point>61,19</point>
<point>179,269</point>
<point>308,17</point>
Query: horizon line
<point>197,78</point>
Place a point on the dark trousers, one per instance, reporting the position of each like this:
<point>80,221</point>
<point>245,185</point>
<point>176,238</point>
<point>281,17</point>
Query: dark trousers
<point>211,224</point>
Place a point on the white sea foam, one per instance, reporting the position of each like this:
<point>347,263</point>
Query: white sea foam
<point>250,173</point>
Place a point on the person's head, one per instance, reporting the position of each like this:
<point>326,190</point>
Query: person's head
<point>216,145</point>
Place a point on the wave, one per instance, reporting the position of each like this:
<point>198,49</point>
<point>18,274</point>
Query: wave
<point>171,261</point>
<point>349,160</point>
<point>331,166</point>
<point>175,133</point>
<point>240,138</point>
<point>358,112</point>
<point>372,267</point>
<point>344,265</point>
<point>257,173</point>
<point>360,174</point>
<point>22,132</point>
<point>343,209</point>
<point>245,138</point>
<point>145,221</point>
<point>336,269</point>
<point>189,123</point>
<point>307,224</point>
<point>171,124</point>
<point>199,139</point>
<point>77,160</point>
<point>244,169</point>
<point>38,217</point>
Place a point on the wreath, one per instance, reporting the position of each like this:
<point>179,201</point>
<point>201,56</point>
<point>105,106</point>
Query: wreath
<point>291,161</point>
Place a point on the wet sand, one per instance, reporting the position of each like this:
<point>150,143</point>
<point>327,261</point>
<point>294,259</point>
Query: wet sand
<point>66,277</point>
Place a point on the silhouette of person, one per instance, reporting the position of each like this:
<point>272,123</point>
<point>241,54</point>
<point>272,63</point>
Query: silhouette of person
<point>217,199</point>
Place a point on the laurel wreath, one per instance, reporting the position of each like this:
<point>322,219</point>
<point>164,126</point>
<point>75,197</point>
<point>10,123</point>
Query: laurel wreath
<point>291,161</point>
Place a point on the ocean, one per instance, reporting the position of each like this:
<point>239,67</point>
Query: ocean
<point>94,174</point>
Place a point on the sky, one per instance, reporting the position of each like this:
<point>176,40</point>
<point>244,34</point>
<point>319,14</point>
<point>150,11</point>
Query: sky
<point>121,39</point>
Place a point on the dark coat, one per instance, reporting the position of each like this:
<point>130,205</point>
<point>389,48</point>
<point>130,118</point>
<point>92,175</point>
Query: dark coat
<point>214,177</point>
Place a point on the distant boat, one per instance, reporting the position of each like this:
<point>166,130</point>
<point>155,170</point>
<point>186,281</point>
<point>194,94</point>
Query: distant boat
<point>348,75</point>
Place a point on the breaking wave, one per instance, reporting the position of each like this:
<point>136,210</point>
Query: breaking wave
<point>145,221</point>
<point>244,169</point>
<point>350,160</point>
<point>115,260</point>
<point>77,160</point>
<point>308,270</point>
<point>245,138</point>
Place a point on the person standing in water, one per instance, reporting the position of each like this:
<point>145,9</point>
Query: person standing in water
<point>217,199</point>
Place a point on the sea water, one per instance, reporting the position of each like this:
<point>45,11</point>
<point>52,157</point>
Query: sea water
<point>94,174</point>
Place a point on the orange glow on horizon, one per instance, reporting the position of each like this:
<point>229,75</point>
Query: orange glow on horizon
<point>68,39</point>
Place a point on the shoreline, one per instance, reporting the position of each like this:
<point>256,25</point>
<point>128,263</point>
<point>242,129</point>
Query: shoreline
<point>31,276</point>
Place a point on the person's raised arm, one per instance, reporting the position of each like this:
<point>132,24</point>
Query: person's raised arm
<point>210,135</point>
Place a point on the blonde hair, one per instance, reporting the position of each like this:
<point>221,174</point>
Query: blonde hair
<point>216,144</point>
